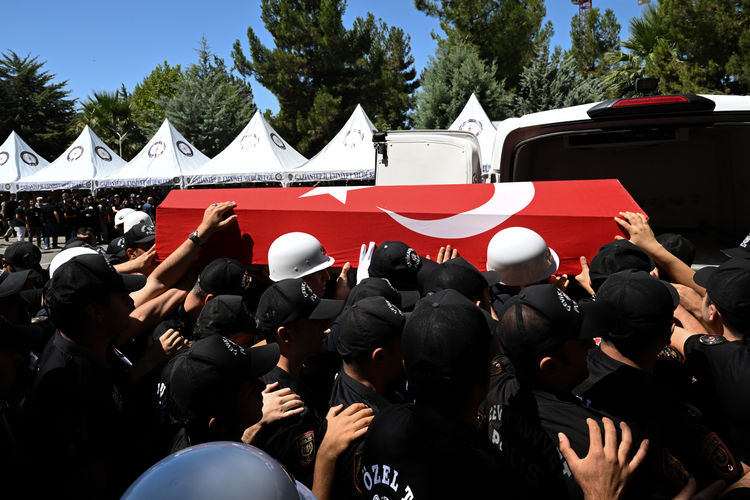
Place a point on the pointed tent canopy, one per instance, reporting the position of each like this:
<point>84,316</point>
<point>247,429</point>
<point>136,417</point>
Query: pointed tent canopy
<point>473,119</point>
<point>257,154</point>
<point>88,158</point>
<point>349,155</point>
<point>164,160</point>
<point>17,160</point>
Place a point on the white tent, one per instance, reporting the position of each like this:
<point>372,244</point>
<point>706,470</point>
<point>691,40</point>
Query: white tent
<point>17,160</point>
<point>473,119</point>
<point>164,160</point>
<point>349,155</point>
<point>257,154</point>
<point>88,158</point>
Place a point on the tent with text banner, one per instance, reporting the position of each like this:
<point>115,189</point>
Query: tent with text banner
<point>17,160</point>
<point>257,154</point>
<point>574,217</point>
<point>473,119</point>
<point>88,158</point>
<point>349,155</point>
<point>166,158</point>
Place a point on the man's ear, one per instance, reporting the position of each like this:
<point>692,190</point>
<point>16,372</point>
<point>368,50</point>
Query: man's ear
<point>546,364</point>
<point>713,313</point>
<point>208,297</point>
<point>378,354</point>
<point>130,253</point>
<point>96,312</point>
<point>284,332</point>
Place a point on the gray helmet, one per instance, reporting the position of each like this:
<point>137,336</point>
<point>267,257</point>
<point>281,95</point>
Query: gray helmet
<point>218,470</point>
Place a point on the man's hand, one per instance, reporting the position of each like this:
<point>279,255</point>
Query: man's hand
<point>279,404</point>
<point>145,262</point>
<point>605,471</point>
<point>583,278</point>
<point>343,285</point>
<point>171,341</point>
<point>213,219</point>
<point>445,253</point>
<point>344,426</point>
<point>561,281</point>
<point>691,300</point>
<point>636,225</point>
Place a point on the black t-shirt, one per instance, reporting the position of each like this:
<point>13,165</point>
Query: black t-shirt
<point>9,208</point>
<point>636,397</point>
<point>411,451</point>
<point>48,213</point>
<point>293,441</point>
<point>33,216</point>
<point>80,412</point>
<point>347,391</point>
<point>20,217</point>
<point>722,371</point>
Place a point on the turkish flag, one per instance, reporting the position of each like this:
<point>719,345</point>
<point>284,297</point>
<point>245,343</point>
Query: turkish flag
<point>574,217</point>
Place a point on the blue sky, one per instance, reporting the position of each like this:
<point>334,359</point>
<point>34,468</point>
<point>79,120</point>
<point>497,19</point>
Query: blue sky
<point>98,45</point>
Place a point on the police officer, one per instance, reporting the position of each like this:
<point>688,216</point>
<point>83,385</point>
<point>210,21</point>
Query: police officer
<point>291,315</point>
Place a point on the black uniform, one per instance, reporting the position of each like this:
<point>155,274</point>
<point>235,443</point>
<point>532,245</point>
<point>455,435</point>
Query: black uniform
<point>635,396</point>
<point>80,412</point>
<point>722,369</point>
<point>293,441</point>
<point>347,391</point>
<point>412,452</point>
<point>180,320</point>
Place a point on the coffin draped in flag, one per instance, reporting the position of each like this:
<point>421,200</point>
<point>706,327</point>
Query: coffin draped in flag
<point>574,217</point>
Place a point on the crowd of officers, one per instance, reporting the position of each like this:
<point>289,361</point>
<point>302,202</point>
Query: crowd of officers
<point>403,378</point>
<point>54,217</point>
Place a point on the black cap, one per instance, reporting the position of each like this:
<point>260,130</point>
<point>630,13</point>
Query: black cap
<point>728,286</point>
<point>204,382</point>
<point>12,283</point>
<point>20,338</point>
<point>368,324</point>
<point>84,276</point>
<point>460,275</point>
<point>396,261</point>
<point>741,251</point>
<point>679,246</point>
<point>117,247</point>
<point>289,300</point>
<point>23,255</point>
<point>564,319</point>
<point>615,256</point>
<point>224,315</point>
<point>446,339</point>
<point>381,287</point>
<point>642,303</point>
<point>140,233</point>
<point>224,276</point>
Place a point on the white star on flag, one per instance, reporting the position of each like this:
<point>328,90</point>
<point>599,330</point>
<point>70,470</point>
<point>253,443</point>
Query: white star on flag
<point>338,192</point>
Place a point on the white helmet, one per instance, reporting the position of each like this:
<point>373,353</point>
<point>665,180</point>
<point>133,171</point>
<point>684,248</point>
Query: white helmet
<point>121,214</point>
<point>134,218</point>
<point>521,257</point>
<point>67,254</point>
<point>294,255</point>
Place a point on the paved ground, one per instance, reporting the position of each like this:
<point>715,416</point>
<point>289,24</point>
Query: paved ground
<point>47,255</point>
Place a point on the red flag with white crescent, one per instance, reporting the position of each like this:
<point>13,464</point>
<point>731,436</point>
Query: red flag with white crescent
<point>574,217</point>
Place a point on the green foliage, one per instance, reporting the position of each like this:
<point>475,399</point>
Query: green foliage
<point>319,70</point>
<point>449,80</point>
<point>109,116</point>
<point>506,32</point>
<point>210,106</point>
<point>591,38</point>
<point>32,105</point>
<point>144,102</point>
<point>551,82</point>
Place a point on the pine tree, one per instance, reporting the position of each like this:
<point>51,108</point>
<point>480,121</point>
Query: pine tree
<point>319,70</point>
<point>591,37</point>
<point>552,82</point>
<point>35,107</point>
<point>449,79</point>
<point>210,106</point>
<point>504,32</point>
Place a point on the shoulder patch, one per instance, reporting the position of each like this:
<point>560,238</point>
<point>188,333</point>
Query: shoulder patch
<point>718,455</point>
<point>496,367</point>
<point>306,447</point>
<point>671,354</point>
<point>712,339</point>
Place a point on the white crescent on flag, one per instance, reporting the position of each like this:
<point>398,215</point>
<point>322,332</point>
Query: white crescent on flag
<point>508,199</point>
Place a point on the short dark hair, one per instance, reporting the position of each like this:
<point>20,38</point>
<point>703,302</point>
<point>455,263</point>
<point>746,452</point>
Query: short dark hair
<point>526,366</point>
<point>732,320</point>
<point>69,318</point>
